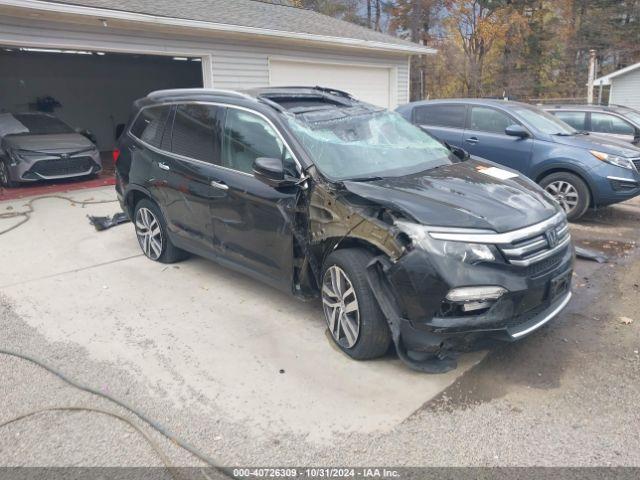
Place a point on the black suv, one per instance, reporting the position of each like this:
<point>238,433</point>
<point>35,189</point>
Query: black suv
<point>318,194</point>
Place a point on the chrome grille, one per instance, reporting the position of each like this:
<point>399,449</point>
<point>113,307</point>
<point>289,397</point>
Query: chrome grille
<point>636,162</point>
<point>535,248</point>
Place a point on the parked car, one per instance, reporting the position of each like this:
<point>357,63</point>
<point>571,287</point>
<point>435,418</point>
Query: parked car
<point>321,195</point>
<point>614,121</point>
<point>39,146</point>
<point>578,170</point>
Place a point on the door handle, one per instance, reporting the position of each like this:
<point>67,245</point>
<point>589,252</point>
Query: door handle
<point>219,185</point>
<point>472,140</point>
<point>163,166</point>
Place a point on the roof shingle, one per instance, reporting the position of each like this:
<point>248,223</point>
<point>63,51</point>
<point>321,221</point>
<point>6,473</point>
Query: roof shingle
<point>278,15</point>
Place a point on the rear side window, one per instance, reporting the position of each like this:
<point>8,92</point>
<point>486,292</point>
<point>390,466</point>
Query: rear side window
<point>440,115</point>
<point>605,123</point>
<point>196,132</point>
<point>576,119</point>
<point>485,119</point>
<point>149,126</point>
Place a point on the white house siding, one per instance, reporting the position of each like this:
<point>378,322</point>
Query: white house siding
<point>625,89</point>
<point>237,64</point>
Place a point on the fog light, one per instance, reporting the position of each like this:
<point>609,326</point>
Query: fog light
<point>473,306</point>
<point>475,294</point>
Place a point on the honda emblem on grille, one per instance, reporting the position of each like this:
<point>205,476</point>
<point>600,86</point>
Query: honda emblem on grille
<point>552,237</point>
<point>64,156</point>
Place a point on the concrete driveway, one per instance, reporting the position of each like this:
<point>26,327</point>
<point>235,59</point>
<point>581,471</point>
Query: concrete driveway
<point>195,334</point>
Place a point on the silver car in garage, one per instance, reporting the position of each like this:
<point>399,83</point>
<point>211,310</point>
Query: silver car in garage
<point>38,146</point>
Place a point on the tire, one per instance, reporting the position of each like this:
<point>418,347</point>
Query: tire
<point>570,191</point>
<point>370,338</point>
<point>147,217</point>
<point>5,176</point>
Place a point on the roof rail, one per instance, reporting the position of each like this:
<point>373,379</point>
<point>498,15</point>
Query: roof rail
<point>334,91</point>
<point>196,91</point>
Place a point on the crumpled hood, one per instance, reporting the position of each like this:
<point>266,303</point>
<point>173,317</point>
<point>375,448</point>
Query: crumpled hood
<point>60,143</point>
<point>459,195</point>
<point>599,143</point>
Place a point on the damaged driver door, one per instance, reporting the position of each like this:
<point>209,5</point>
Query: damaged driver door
<point>250,224</point>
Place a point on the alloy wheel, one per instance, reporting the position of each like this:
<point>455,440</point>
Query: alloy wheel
<point>340,307</point>
<point>564,193</point>
<point>149,233</point>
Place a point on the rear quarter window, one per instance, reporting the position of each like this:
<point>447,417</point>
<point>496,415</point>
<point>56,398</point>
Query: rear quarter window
<point>150,124</point>
<point>451,116</point>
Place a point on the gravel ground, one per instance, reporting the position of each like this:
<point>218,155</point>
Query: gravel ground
<point>566,396</point>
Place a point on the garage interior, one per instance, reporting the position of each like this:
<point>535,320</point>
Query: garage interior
<point>89,90</point>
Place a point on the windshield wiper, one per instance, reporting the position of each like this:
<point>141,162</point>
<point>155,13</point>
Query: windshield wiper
<point>363,179</point>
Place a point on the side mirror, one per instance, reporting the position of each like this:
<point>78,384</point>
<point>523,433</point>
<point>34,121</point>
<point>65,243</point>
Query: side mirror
<point>516,131</point>
<point>636,138</point>
<point>271,172</point>
<point>87,133</point>
<point>460,153</point>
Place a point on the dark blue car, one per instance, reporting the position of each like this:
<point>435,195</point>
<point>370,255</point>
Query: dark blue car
<point>578,169</point>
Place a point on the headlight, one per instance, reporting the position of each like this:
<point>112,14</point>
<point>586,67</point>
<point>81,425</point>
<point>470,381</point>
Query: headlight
<point>613,159</point>
<point>465,252</point>
<point>13,156</point>
<point>469,252</point>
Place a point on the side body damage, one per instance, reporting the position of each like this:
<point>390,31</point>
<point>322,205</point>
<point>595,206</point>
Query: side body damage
<point>337,219</point>
<point>411,284</point>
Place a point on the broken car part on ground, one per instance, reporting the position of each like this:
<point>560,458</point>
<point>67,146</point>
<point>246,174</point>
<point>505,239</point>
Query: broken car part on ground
<point>321,195</point>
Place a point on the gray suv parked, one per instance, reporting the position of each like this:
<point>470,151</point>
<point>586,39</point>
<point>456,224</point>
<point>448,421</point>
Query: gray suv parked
<point>615,121</point>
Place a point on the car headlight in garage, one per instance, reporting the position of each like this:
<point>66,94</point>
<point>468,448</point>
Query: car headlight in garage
<point>613,159</point>
<point>14,157</point>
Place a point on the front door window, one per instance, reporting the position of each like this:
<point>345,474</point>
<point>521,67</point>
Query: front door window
<point>248,136</point>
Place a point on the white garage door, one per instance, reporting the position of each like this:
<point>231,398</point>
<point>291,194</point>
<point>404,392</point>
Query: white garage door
<point>370,84</point>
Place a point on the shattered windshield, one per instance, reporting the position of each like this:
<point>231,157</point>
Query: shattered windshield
<point>379,144</point>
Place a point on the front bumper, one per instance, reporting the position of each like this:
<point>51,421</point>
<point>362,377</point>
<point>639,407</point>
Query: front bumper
<point>615,184</point>
<point>55,168</point>
<point>418,284</point>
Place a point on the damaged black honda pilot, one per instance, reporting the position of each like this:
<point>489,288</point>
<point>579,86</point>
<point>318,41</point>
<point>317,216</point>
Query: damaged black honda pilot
<point>404,239</point>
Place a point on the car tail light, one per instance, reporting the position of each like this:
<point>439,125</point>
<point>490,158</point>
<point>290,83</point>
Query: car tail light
<point>116,155</point>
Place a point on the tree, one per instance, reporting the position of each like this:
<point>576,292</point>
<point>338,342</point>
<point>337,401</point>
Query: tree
<point>527,49</point>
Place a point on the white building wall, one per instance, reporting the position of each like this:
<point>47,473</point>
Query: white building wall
<point>625,90</point>
<point>237,64</point>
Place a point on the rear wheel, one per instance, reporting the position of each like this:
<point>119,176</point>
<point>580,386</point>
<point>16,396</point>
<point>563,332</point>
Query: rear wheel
<point>353,316</point>
<point>570,191</point>
<point>5,176</point>
<point>151,230</point>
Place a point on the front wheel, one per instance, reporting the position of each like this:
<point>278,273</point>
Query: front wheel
<point>569,191</point>
<point>353,316</point>
<point>151,230</point>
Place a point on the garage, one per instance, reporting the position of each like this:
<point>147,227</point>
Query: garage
<point>88,90</point>
<point>372,84</point>
<point>91,91</point>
